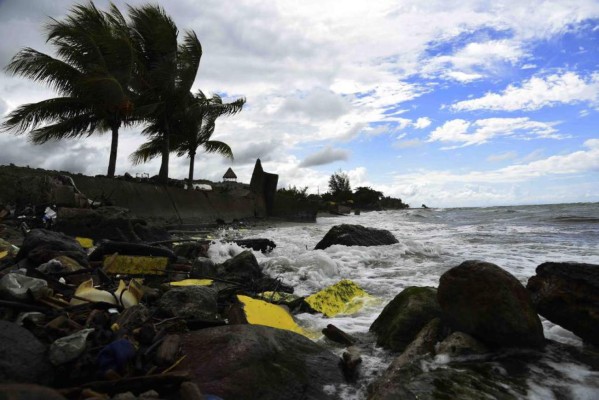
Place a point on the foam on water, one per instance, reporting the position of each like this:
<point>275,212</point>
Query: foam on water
<point>431,241</point>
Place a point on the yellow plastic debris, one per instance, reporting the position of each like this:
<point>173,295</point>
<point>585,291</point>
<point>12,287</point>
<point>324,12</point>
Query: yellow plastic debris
<point>193,282</point>
<point>126,295</point>
<point>86,243</point>
<point>259,312</point>
<point>3,254</point>
<point>129,296</point>
<point>344,297</point>
<point>135,265</point>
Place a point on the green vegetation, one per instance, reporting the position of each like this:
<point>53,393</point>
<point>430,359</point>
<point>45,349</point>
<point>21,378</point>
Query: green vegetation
<point>110,72</point>
<point>340,193</point>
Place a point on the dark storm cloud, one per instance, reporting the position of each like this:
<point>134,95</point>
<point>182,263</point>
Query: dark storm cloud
<point>248,153</point>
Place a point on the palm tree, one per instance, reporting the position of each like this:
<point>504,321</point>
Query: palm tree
<point>165,72</point>
<point>92,73</point>
<point>193,127</point>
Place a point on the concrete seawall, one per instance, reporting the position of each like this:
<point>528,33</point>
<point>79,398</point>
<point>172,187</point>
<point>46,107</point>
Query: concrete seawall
<point>156,203</point>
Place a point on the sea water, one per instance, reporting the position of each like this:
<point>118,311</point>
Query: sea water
<point>431,241</point>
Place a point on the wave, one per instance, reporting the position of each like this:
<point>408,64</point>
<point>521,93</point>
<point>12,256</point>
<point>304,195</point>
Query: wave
<point>575,219</point>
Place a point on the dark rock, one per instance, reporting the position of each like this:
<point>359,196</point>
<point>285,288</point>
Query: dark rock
<point>262,245</point>
<point>22,356</point>
<point>402,319</point>
<point>461,344</point>
<point>355,235</point>
<point>423,344</point>
<point>41,246</point>
<point>259,362</point>
<point>191,250</point>
<point>202,267</point>
<point>191,302</point>
<point>567,294</point>
<point>242,268</point>
<point>22,391</point>
<point>485,301</point>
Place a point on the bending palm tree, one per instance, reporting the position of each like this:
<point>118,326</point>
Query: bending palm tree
<point>166,72</point>
<point>92,74</point>
<point>194,126</point>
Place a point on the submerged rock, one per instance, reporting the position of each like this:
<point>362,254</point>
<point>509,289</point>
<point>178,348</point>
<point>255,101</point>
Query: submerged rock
<point>355,235</point>
<point>402,319</point>
<point>567,294</point>
<point>258,362</point>
<point>483,300</point>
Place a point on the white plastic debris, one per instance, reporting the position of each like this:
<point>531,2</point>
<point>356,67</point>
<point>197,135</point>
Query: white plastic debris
<point>69,347</point>
<point>17,286</point>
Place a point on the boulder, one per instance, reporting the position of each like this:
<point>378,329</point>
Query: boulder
<point>41,246</point>
<point>423,344</point>
<point>461,344</point>
<point>355,235</point>
<point>28,391</point>
<point>489,303</point>
<point>567,294</point>
<point>202,267</point>
<point>402,319</point>
<point>22,356</point>
<point>258,362</point>
<point>189,302</point>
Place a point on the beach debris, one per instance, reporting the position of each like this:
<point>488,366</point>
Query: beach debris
<point>125,295</point>
<point>86,243</point>
<point>134,265</point>
<point>193,282</point>
<point>68,348</point>
<point>344,297</point>
<point>21,287</point>
<point>337,335</point>
<point>260,312</point>
<point>115,356</point>
<point>169,350</point>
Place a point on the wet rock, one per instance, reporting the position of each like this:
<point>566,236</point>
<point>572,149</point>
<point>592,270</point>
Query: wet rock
<point>461,344</point>
<point>423,344</point>
<point>190,302</point>
<point>191,250</point>
<point>28,391</point>
<point>567,294</point>
<point>355,235</point>
<point>258,362</point>
<point>241,268</point>
<point>22,356</point>
<point>402,319</point>
<point>41,246</point>
<point>202,267</point>
<point>485,301</point>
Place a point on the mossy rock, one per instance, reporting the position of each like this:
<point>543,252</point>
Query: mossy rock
<point>405,316</point>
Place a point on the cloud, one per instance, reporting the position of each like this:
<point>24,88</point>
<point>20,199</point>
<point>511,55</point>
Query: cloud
<point>247,153</point>
<point>318,104</point>
<point>325,156</point>
<point>482,130</point>
<point>508,155</point>
<point>538,92</point>
<point>405,144</point>
<point>422,123</point>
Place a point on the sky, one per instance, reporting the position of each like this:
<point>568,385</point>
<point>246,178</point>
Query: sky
<point>444,103</point>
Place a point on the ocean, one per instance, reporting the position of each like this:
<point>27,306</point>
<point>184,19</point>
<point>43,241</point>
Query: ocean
<point>431,241</point>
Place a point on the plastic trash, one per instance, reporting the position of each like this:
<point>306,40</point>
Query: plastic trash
<point>19,286</point>
<point>260,312</point>
<point>344,297</point>
<point>69,347</point>
<point>115,356</point>
<point>125,295</point>
<point>192,282</point>
<point>137,265</point>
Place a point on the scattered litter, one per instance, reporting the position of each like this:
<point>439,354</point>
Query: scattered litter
<point>260,312</point>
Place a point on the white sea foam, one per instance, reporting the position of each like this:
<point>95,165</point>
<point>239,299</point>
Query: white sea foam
<point>517,239</point>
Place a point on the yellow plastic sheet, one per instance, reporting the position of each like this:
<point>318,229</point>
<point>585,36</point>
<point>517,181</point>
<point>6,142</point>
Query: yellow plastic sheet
<point>86,243</point>
<point>344,297</point>
<point>3,254</point>
<point>193,282</point>
<point>135,265</point>
<point>259,312</point>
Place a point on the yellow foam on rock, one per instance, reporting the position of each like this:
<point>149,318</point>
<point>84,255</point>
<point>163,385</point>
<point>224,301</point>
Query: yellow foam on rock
<point>86,243</point>
<point>193,282</point>
<point>135,265</point>
<point>259,312</point>
<point>344,297</point>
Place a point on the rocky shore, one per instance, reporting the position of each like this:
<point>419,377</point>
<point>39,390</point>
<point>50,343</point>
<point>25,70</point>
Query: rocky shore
<point>132,311</point>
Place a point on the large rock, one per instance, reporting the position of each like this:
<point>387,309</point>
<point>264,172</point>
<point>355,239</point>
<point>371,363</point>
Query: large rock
<point>190,302</point>
<point>27,391</point>
<point>355,235</point>
<point>258,362</point>
<point>402,319</point>
<point>567,294</point>
<point>483,300</point>
<point>41,246</point>
<point>22,356</point>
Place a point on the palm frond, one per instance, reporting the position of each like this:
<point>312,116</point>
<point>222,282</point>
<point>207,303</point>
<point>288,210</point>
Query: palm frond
<point>82,125</point>
<point>30,116</point>
<point>146,152</point>
<point>214,146</point>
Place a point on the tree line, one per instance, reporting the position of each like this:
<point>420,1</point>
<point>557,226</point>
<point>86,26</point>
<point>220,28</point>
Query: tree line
<point>109,72</point>
<point>341,193</point>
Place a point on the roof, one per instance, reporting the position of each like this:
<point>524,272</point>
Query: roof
<point>229,174</point>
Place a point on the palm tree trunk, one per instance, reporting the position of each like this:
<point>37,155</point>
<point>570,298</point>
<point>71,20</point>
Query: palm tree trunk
<point>163,174</point>
<point>113,151</point>
<point>192,157</point>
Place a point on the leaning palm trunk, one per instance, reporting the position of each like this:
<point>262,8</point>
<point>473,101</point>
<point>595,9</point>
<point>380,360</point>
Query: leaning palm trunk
<point>113,151</point>
<point>192,157</point>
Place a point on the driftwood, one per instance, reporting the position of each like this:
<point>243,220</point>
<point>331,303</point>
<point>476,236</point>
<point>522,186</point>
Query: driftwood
<point>139,384</point>
<point>337,335</point>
